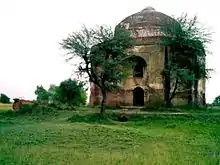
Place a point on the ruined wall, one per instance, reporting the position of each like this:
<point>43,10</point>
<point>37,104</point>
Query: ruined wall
<point>151,83</point>
<point>145,30</point>
<point>201,92</point>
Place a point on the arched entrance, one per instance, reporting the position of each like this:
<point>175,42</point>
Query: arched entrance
<point>139,66</point>
<point>138,97</point>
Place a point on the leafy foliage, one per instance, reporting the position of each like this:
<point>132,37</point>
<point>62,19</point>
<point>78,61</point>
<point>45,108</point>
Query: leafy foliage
<point>216,102</point>
<point>52,91</point>
<point>4,99</point>
<point>42,94</point>
<point>68,94</point>
<point>102,53</point>
<point>71,92</point>
<point>185,42</point>
<point>34,109</point>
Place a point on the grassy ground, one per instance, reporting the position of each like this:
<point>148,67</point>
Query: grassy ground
<point>146,139</point>
<point>5,106</point>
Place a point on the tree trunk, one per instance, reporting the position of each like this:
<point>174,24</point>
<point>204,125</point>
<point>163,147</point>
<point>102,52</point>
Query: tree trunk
<point>203,99</point>
<point>102,110</point>
<point>195,93</point>
<point>189,87</point>
<point>173,94</point>
<point>195,81</point>
<point>167,87</point>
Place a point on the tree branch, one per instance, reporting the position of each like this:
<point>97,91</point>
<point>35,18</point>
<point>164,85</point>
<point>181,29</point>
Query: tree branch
<point>174,90</point>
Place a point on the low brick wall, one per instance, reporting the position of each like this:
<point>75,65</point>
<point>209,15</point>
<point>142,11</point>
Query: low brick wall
<point>18,102</point>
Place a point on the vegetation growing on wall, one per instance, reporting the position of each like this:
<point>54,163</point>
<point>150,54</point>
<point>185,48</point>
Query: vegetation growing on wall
<point>185,44</point>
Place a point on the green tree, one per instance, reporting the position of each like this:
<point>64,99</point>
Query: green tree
<point>185,52</point>
<point>102,53</point>
<point>216,102</point>
<point>4,99</point>
<point>42,94</point>
<point>52,91</point>
<point>71,92</point>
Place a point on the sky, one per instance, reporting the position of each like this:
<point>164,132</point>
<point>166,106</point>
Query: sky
<point>30,32</point>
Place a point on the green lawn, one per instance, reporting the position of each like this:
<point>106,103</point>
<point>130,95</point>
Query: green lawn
<point>144,140</point>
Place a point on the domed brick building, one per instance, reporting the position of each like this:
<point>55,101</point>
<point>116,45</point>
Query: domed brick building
<point>145,86</point>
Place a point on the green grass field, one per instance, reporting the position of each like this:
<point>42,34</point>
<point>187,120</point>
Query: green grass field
<point>5,106</point>
<point>144,140</point>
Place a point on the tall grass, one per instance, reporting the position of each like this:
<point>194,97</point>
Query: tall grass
<point>85,138</point>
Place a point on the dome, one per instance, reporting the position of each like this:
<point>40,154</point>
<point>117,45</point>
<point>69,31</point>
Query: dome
<point>145,23</point>
<point>149,8</point>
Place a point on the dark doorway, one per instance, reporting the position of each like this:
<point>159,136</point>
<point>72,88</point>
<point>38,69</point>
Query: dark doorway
<point>138,97</point>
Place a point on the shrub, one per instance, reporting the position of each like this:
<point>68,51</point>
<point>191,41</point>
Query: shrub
<point>24,109</point>
<point>61,106</point>
<point>8,113</point>
<point>71,92</point>
<point>167,120</point>
<point>155,101</point>
<point>35,109</point>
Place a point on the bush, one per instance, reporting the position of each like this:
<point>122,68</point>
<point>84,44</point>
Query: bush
<point>60,106</point>
<point>8,113</point>
<point>155,101</point>
<point>35,109</point>
<point>24,109</point>
<point>167,120</point>
<point>71,92</point>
